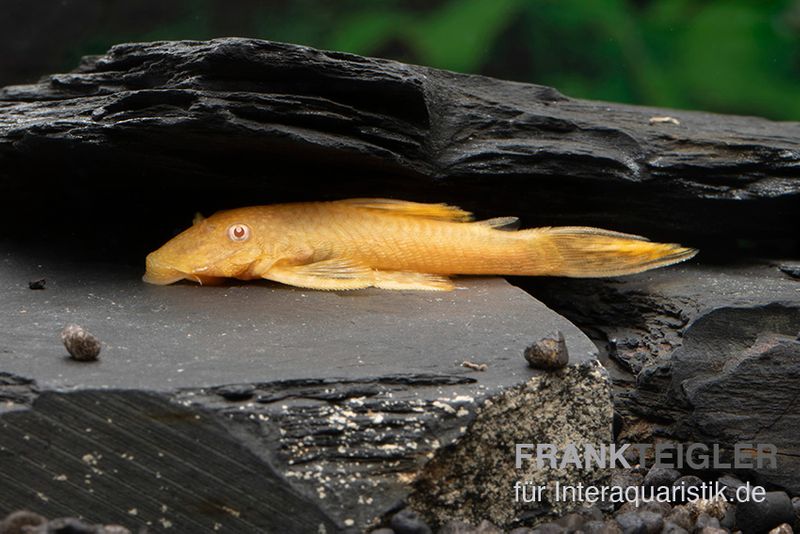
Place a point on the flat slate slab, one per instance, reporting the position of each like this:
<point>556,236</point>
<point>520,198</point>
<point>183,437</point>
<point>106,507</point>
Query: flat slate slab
<point>164,338</point>
<point>257,405</point>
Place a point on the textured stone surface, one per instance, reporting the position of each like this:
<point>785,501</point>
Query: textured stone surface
<point>260,121</point>
<point>258,404</point>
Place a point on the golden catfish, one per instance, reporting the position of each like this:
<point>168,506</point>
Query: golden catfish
<point>391,244</point>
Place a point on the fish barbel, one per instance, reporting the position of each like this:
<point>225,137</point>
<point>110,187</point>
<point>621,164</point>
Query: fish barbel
<point>391,244</point>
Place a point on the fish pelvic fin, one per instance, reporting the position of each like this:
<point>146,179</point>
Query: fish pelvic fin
<point>332,275</point>
<point>412,281</point>
<point>442,212</point>
<point>584,252</point>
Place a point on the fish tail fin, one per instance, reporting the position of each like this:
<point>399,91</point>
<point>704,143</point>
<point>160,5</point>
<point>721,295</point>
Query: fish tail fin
<point>584,252</point>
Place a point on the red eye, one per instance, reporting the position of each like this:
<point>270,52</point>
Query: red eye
<point>238,232</point>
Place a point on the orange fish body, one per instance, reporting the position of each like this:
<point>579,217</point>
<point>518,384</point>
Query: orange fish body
<point>391,244</point>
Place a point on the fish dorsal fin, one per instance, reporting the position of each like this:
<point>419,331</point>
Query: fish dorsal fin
<point>501,223</point>
<point>411,209</point>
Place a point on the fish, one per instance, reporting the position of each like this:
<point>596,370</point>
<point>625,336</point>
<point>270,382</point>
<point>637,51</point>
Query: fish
<point>391,244</point>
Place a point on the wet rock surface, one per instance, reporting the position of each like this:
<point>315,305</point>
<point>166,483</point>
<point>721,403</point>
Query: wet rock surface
<point>260,404</point>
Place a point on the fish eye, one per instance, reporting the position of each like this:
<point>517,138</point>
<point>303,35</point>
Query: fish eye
<point>238,232</point>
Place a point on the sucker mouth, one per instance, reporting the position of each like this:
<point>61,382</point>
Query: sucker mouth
<point>163,278</point>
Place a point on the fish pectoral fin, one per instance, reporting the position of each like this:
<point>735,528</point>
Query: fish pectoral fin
<point>442,212</point>
<point>333,275</point>
<point>410,280</point>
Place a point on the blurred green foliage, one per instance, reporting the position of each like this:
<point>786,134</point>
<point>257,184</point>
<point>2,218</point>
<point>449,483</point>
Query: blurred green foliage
<point>732,56</point>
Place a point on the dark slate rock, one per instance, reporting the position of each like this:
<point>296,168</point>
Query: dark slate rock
<point>335,124</point>
<point>753,516</point>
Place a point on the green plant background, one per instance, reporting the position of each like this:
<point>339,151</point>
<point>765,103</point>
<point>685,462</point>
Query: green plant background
<point>731,56</point>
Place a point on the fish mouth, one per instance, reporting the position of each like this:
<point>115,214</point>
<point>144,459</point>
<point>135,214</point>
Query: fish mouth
<point>164,277</point>
<point>162,274</point>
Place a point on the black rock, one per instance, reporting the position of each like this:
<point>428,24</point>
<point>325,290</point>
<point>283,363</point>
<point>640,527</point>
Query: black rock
<point>37,284</point>
<point>332,123</point>
<point>753,516</point>
<point>659,477</point>
<point>409,522</point>
<point>382,531</point>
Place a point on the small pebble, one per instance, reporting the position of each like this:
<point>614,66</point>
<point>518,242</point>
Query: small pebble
<point>704,520</point>
<point>653,522</point>
<point>15,522</point>
<point>784,528</point>
<point>681,517</point>
<point>659,477</point>
<point>775,509</point>
<point>550,352</point>
<point>80,344</point>
<point>408,521</point>
<point>711,530</point>
<point>456,526</point>
<point>382,531</point>
<point>728,521</point>
<point>37,284</point>
<point>631,523</point>
<point>549,528</point>
<point>571,522</point>
<point>672,528</point>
